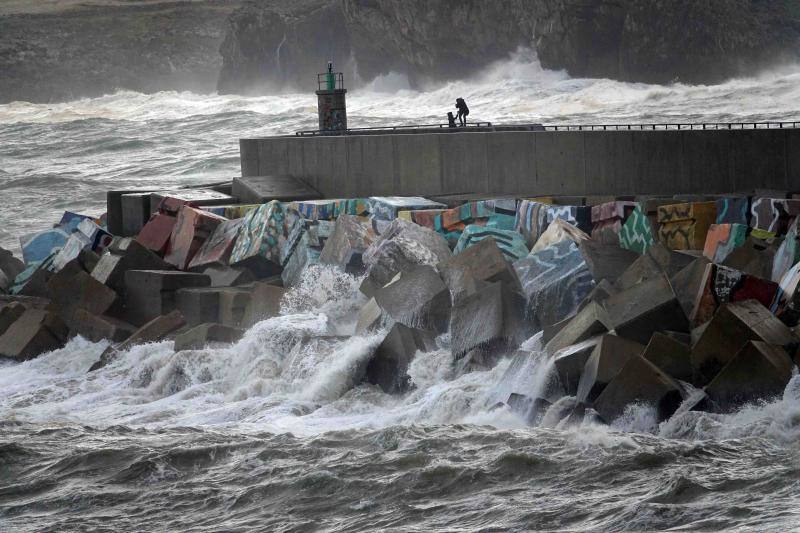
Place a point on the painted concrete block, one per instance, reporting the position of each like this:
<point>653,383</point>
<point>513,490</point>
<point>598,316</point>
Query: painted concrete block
<point>510,242</point>
<point>636,234</point>
<point>230,211</point>
<point>722,239</point>
<point>192,228</point>
<point>533,218</point>
<point>721,285</point>
<point>429,218</point>
<point>788,253</point>
<point>773,215</point>
<point>468,213</point>
<point>557,231</point>
<point>685,226</point>
<point>387,207</point>
<point>733,210</point>
<point>156,233</point>
<point>217,248</point>
<point>262,233</point>
<point>555,281</point>
<point>351,206</point>
<point>608,218</point>
<point>316,209</point>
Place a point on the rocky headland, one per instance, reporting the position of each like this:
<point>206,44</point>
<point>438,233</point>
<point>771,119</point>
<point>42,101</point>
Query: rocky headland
<point>284,44</point>
<point>64,49</point>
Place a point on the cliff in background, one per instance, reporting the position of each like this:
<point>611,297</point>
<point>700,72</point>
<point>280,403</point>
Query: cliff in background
<point>56,50</point>
<point>61,50</point>
<point>658,41</point>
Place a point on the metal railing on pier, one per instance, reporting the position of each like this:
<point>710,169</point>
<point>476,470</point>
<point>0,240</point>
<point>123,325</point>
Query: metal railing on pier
<point>673,126</point>
<point>399,129</point>
<point>488,126</point>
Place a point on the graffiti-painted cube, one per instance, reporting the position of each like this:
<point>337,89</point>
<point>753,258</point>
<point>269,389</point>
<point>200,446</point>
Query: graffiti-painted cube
<point>773,215</point>
<point>317,209</point>
<point>156,233</point>
<point>192,228</point>
<point>722,239</point>
<point>733,210</point>
<point>429,218</point>
<point>555,281</point>
<point>534,217</point>
<point>608,218</point>
<point>262,233</point>
<point>636,234</point>
<point>510,243</point>
<point>217,248</point>
<point>469,213</point>
<point>351,206</point>
<point>387,207</point>
<point>684,226</point>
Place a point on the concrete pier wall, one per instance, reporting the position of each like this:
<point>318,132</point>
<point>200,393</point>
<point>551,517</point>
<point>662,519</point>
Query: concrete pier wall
<point>534,162</point>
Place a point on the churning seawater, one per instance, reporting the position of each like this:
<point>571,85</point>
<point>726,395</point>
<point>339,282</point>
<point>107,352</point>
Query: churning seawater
<point>272,434</point>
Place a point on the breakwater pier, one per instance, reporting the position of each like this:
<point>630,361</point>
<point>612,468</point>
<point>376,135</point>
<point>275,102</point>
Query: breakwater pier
<point>536,160</point>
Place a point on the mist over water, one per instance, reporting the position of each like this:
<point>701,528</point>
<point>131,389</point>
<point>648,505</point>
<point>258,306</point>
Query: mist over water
<point>273,434</point>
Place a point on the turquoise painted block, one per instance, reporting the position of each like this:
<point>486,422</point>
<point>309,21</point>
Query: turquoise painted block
<point>262,233</point>
<point>501,221</point>
<point>510,242</point>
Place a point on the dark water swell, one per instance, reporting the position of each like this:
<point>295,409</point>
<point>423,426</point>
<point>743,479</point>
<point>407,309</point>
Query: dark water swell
<point>409,478</point>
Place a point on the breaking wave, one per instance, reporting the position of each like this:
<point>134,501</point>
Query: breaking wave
<point>274,432</point>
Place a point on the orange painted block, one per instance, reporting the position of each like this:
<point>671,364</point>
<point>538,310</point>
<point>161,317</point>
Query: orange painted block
<point>192,228</point>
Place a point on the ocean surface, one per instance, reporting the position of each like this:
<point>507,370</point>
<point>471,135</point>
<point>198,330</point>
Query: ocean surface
<point>273,433</point>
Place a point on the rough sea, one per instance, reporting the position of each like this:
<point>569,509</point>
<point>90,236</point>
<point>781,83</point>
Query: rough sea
<point>272,434</point>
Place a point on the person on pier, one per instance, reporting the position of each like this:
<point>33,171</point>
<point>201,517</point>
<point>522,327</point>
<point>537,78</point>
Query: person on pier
<point>463,111</point>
